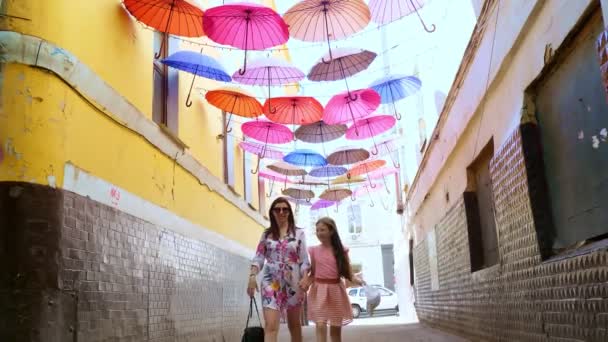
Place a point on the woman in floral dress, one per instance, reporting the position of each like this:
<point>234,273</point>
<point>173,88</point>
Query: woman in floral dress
<point>282,249</point>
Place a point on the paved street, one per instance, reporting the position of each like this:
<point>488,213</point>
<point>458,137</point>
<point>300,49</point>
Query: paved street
<point>381,333</point>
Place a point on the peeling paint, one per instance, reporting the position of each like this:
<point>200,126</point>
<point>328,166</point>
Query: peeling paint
<point>10,149</point>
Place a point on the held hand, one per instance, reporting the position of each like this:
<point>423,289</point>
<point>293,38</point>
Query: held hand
<point>252,286</point>
<point>305,283</point>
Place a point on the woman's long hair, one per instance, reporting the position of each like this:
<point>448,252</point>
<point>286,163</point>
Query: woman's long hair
<point>274,231</point>
<point>338,249</point>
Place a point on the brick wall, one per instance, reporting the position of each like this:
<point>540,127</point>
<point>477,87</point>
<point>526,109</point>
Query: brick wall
<point>82,271</point>
<point>523,298</point>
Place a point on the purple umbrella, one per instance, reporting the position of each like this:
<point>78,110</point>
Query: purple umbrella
<point>321,204</point>
<point>328,172</point>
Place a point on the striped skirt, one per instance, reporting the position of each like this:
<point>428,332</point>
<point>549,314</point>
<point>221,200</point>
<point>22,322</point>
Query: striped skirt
<point>328,303</point>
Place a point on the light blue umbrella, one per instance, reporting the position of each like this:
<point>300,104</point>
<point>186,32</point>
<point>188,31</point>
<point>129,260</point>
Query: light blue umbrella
<point>305,158</point>
<point>396,87</point>
<point>199,65</point>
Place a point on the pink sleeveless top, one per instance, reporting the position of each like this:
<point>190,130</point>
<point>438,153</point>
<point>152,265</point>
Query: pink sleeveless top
<point>325,262</point>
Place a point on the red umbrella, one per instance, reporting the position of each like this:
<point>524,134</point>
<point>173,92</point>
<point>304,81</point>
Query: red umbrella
<point>177,17</point>
<point>370,127</point>
<point>348,106</point>
<point>246,26</point>
<point>366,168</point>
<point>295,110</point>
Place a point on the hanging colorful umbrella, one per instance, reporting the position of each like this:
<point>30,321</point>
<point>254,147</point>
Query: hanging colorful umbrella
<point>382,173</point>
<point>335,195</point>
<point>366,168</point>
<point>274,177</point>
<point>299,193</point>
<point>347,156</point>
<point>345,180</point>
<point>370,127</point>
<point>389,148</point>
<point>266,132</point>
<point>246,26</point>
<point>262,151</point>
<point>287,170</point>
<point>269,72</point>
<point>387,11</point>
<point>320,132</point>
<point>294,110</point>
<point>328,172</point>
<point>321,204</point>
<point>305,158</point>
<point>234,101</point>
<point>367,189</point>
<point>346,62</point>
<point>395,88</point>
<point>320,20</point>
<point>198,65</point>
<point>176,17</point>
<point>346,107</point>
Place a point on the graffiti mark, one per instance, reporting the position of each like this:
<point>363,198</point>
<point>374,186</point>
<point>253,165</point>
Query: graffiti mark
<point>114,196</point>
<point>59,51</point>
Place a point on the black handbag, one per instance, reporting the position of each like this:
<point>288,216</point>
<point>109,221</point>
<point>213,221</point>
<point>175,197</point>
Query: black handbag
<point>253,334</point>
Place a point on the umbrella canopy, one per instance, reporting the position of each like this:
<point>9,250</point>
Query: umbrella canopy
<point>269,72</point>
<point>345,180</point>
<point>234,101</point>
<point>299,193</point>
<point>274,177</point>
<point>320,132</point>
<point>388,148</point>
<point>328,171</point>
<point>395,88</point>
<point>246,26</point>
<point>346,62</point>
<point>287,170</point>
<point>366,167</point>
<point>335,195</point>
<point>305,158</point>
<point>267,132</point>
<point>294,110</point>
<point>320,204</point>
<point>177,17</point>
<point>199,65</point>
<point>370,127</point>
<point>260,150</point>
<point>346,107</point>
<point>347,156</point>
<point>383,172</point>
<point>387,11</point>
<point>325,20</point>
<point>367,189</point>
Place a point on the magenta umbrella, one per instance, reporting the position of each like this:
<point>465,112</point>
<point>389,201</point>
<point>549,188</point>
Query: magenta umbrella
<point>246,26</point>
<point>274,177</point>
<point>266,132</point>
<point>382,173</point>
<point>343,107</point>
<point>271,72</point>
<point>262,151</point>
<point>367,189</point>
<point>370,127</point>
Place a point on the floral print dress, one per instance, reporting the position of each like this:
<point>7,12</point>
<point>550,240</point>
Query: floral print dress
<point>286,262</point>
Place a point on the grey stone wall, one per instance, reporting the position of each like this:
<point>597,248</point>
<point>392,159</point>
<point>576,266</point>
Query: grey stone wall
<point>524,297</point>
<point>77,270</point>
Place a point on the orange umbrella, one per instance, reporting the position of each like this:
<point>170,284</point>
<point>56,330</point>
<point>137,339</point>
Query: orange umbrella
<point>294,110</point>
<point>366,168</point>
<point>234,101</point>
<point>177,17</point>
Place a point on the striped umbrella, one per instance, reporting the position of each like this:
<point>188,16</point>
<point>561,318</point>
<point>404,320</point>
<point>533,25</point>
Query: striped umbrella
<point>320,20</point>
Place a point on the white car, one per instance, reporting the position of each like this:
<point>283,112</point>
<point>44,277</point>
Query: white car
<point>358,301</point>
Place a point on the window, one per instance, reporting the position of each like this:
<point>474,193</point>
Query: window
<point>433,267</point>
<point>228,147</point>
<point>159,98</point>
<point>384,292</point>
<point>352,293</point>
<point>362,292</point>
<point>261,196</point>
<point>572,116</point>
<point>355,225</point>
<point>247,178</point>
<point>411,260</point>
<point>479,205</point>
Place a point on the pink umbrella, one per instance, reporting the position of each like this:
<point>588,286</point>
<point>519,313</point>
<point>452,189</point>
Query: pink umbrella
<point>350,106</point>
<point>382,173</point>
<point>345,62</point>
<point>246,26</point>
<point>271,72</point>
<point>370,127</point>
<point>387,11</point>
<point>367,189</point>
<point>266,132</point>
<point>320,20</point>
<point>274,177</point>
<point>388,148</point>
<point>262,151</point>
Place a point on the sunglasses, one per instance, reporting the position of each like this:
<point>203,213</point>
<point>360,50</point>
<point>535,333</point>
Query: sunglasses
<point>280,210</point>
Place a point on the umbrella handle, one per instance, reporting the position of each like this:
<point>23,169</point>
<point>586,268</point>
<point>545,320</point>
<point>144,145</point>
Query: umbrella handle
<point>244,70</point>
<point>372,204</point>
<point>308,200</point>
<point>352,97</point>
<point>257,168</point>
<point>388,191</point>
<point>188,101</point>
<point>352,197</point>
<point>327,34</point>
<point>429,30</point>
<point>162,41</point>
<point>374,151</point>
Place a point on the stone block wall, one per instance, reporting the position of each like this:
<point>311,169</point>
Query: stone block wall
<point>77,270</point>
<point>525,297</point>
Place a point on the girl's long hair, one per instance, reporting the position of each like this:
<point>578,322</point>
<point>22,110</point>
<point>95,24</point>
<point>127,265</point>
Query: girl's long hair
<point>338,249</point>
<point>273,231</point>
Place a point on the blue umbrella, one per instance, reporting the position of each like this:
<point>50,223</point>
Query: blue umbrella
<point>395,88</point>
<point>305,158</point>
<point>199,65</point>
<point>328,171</point>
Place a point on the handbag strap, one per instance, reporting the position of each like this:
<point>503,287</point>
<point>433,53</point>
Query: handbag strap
<point>253,302</point>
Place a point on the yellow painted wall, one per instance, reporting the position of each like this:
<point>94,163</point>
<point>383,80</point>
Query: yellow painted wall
<point>44,123</point>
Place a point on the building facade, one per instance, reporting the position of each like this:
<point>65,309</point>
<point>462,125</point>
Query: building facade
<point>125,215</point>
<point>506,209</point>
